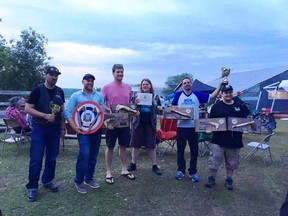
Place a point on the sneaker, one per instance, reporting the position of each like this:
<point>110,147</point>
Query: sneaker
<point>131,167</point>
<point>179,175</point>
<point>32,195</point>
<point>194,177</point>
<point>92,183</point>
<point>210,182</point>
<point>156,170</point>
<point>51,186</point>
<point>81,188</point>
<point>229,183</point>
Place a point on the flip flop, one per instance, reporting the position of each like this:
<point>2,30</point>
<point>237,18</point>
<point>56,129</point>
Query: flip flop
<point>129,176</point>
<point>109,180</point>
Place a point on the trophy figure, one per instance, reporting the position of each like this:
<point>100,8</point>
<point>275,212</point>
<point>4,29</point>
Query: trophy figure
<point>55,108</point>
<point>225,73</point>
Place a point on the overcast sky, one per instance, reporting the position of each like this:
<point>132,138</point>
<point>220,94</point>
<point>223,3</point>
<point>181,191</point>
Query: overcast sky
<point>153,38</point>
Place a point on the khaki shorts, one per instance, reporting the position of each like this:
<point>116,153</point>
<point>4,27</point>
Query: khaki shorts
<point>218,154</point>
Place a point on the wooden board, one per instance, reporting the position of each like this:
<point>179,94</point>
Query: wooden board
<point>178,113</point>
<point>116,120</point>
<point>244,125</point>
<point>210,124</point>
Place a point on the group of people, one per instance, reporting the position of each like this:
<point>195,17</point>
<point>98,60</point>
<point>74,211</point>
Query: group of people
<point>47,128</point>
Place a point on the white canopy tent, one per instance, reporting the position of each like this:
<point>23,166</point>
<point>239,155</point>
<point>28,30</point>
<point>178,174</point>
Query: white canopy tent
<point>274,87</point>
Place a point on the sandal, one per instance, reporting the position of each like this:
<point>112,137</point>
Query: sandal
<point>129,176</point>
<point>109,180</point>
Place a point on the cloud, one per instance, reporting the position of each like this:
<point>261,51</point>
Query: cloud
<point>69,53</point>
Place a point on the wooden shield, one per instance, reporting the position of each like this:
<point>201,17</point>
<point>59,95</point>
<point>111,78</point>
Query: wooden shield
<point>89,116</point>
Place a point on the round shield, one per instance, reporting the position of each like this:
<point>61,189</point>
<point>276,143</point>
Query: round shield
<point>89,116</point>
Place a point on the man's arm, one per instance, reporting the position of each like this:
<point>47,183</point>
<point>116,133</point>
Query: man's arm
<point>30,109</point>
<point>217,90</point>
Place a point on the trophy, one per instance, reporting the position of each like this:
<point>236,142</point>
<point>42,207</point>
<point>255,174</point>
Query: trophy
<point>225,73</point>
<point>55,108</point>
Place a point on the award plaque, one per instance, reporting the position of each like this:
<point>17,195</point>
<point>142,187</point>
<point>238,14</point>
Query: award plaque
<point>116,120</point>
<point>183,113</point>
<point>89,116</point>
<point>244,125</point>
<point>125,108</point>
<point>209,125</point>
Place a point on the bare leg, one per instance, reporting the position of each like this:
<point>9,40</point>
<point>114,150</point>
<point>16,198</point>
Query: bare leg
<point>123,157</point>
<point>152,155</point>
<point>135,154</point>
<point>108,159</point>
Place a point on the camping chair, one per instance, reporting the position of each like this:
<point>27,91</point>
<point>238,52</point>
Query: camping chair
<point>263,145</point>
<point>11,136</point>
<point>204,143</point>
<point>166,134</point>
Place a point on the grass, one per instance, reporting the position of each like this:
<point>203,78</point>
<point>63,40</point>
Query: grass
<point>259,190</point>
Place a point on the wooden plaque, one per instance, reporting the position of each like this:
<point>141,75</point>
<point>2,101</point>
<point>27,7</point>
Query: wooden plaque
<point>244,125</point>
<point>209,125</point>
<point>116,120</point>
<point>125,108</point>
<point>178,113</point>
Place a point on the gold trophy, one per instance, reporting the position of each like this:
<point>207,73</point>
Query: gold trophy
<point>55,108</point>
<point>225,74</point>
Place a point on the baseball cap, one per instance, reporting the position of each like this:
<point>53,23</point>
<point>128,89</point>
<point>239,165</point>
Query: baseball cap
<point>88,76</point>
<point>226,88</point>
<point>52,69</point>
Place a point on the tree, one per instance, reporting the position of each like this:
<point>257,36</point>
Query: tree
<point>173,81</point>
<point>27,60</point>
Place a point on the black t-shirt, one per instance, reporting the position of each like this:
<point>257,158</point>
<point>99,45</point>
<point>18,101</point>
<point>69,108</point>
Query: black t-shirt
<point>36,93</point>
<point>228,139</point>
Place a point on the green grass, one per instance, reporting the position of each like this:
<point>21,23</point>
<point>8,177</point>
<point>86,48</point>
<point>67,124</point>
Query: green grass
<point>259,190</point>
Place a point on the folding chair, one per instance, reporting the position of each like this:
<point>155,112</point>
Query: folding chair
<point>11,136</point>
<point>263,145</point>
<point>166,134</point>
<point>204,143</point>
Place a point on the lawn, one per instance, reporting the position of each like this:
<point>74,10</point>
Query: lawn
<point>259,189</point>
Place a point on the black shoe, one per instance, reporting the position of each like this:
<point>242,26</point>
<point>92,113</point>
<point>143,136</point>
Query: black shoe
<point>229,183</point>
<point>210,182</point>
<point>131,167</point>
<point>32,195</point>
<point>156,170</point>
<point>51,186</point>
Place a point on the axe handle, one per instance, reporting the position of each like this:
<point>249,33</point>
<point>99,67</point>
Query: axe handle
<point>243,124</point>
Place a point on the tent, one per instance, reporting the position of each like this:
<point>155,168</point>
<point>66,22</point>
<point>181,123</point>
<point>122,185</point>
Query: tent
<point>279,90</point>
<point>197,86</point>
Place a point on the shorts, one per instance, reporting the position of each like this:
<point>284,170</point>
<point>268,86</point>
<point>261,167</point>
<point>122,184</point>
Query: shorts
<point>144,135</point>
<point>122,134</point>
<point>217,154</point>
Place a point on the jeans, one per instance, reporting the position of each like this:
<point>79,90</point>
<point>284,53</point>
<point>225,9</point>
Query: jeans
<point>87,157</point>
<point>184,135</point>
<point>44,139</point>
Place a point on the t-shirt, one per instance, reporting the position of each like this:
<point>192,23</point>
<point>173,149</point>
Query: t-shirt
<point>228,139</point>
<point>193,100</point>
<point>115,93</point>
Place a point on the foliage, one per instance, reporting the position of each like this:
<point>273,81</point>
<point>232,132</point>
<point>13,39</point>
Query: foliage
<point>22,62</point>
<point>173,81</point>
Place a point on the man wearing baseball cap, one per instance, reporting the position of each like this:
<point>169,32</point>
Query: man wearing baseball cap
<point>226,144</point>
<point>46,130</point>
<point>89,144</point>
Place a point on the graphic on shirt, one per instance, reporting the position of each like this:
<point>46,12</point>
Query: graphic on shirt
<point>188,101</point>
<point>237,109</point>
<point>89,116</point>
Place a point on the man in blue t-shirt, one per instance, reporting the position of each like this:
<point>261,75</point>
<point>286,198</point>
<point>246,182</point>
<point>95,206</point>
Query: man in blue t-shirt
<point>186,129</point>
